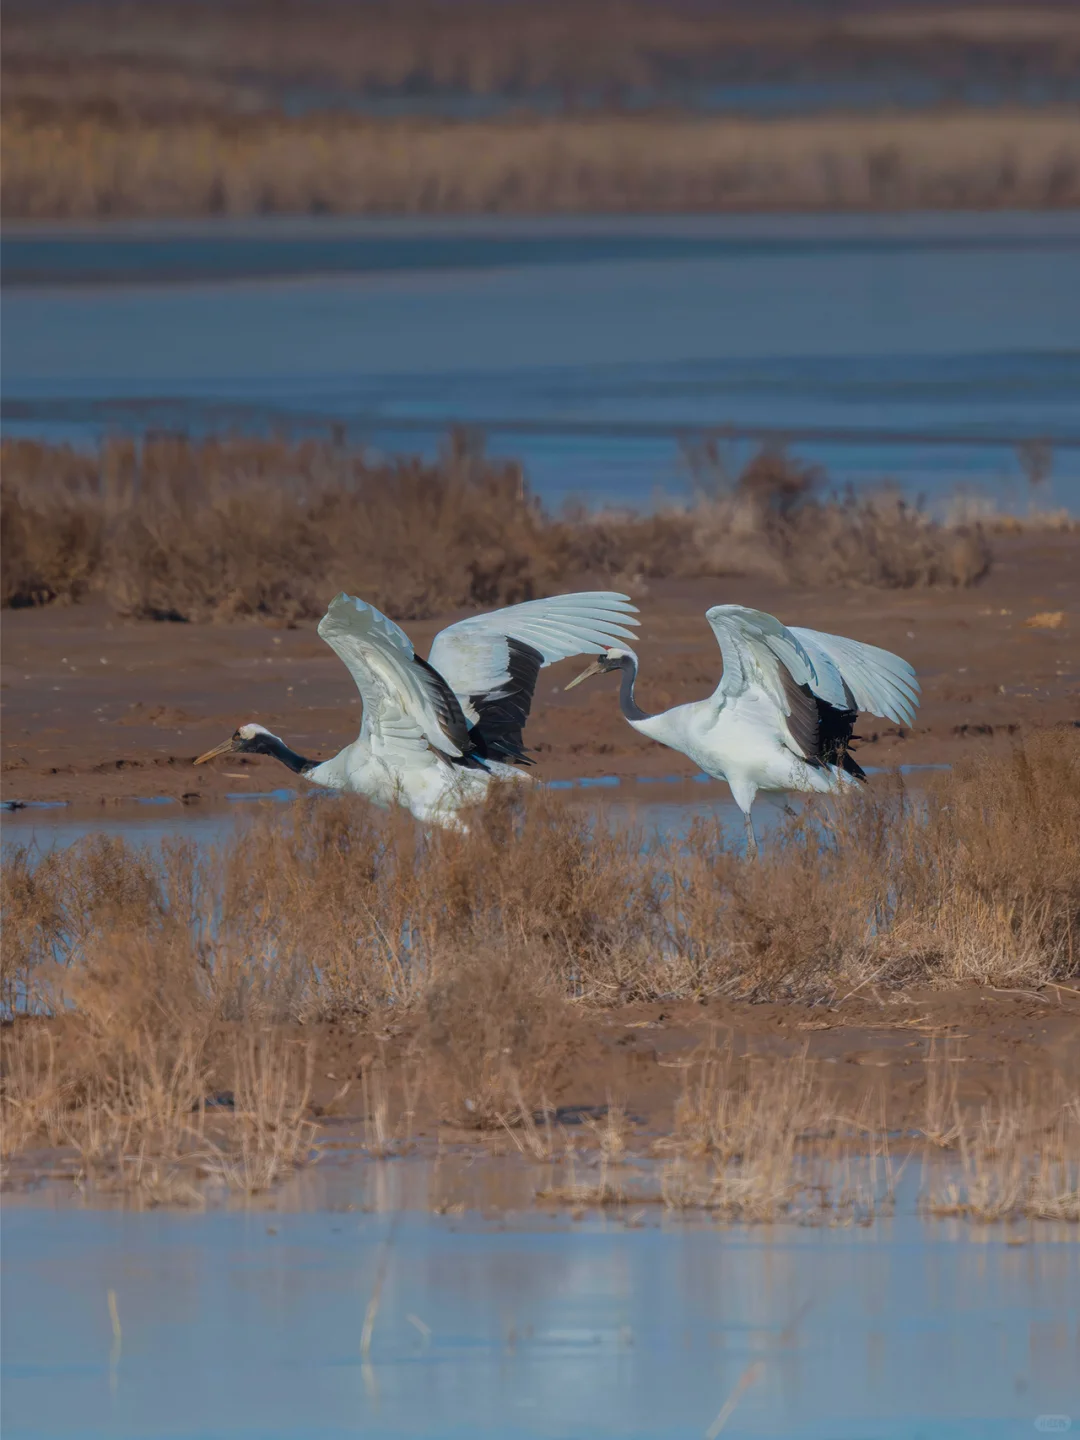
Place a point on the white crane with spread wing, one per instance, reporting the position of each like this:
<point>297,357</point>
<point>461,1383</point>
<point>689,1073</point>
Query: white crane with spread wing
<point>784,712</point>
<point>436,732</point>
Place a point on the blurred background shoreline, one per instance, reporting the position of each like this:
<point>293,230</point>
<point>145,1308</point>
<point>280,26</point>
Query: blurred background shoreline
<point>182,107</point>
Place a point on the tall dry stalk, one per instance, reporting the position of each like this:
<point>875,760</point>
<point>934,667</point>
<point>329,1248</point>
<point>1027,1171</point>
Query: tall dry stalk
<point>197,57</point>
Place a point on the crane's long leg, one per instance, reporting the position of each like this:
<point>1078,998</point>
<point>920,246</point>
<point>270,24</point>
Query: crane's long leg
<point>751,838</point>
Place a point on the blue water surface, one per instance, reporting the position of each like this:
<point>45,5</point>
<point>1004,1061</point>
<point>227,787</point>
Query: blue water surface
<point>249,1324</point>
<point>920,348</point>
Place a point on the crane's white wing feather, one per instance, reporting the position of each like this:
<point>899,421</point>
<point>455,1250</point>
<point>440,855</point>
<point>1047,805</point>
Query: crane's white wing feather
<point>473,656</point>
<point>880,682</point>
<point>753,646</point>
<point>844,673</point>
<point>405,704</point>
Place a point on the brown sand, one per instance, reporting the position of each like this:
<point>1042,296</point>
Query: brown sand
<point>98,709</point>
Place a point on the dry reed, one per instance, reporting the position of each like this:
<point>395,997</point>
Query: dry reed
<point>227,528</point>
<point>122,1082</point>
<point>759,1140</point>
<point>79,167</point>
<point>1020,1159</point>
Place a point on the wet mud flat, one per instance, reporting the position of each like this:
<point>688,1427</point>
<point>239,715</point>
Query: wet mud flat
<point>96,709</point>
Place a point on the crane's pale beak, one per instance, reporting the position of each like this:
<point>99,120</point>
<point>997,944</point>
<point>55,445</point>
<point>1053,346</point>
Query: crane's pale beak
<point>225,748</point>
<point>596,668</point>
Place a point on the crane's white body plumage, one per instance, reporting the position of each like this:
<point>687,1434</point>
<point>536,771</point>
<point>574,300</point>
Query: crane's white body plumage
<point>423,742</point>
<point>762,728</point>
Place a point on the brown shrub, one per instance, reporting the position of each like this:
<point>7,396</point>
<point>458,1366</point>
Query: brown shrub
<point>230,528</point>
<point>991,881</point>
<point>53,550</point>
<point>777,519</point>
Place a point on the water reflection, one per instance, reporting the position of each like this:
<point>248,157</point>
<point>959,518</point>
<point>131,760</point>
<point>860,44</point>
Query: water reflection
<point>528,1324</point>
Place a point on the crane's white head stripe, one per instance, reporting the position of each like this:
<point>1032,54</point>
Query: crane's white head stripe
<point>248,732</point>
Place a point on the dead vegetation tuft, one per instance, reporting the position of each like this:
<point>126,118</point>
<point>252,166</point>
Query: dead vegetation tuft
<point>122,1081</point>
<point>492,1035</point>
<point>759,1139</point>
<point>1019,1158</point>
<point>227,528</point>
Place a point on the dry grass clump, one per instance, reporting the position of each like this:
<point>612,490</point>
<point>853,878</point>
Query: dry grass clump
<point>77,166</point>
<point>230,528</point>
<point>136,1112</point>
<point>51,551</point>
<point>759,1140</point>
<point>1020,1159</point>
<point>492,1035</point>
<point>108,945</point>
<point>991,880</point>
<point>332,909</point>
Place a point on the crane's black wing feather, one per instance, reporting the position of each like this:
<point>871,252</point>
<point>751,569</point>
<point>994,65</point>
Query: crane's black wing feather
<point>502,713</point>
<point>822,733</point>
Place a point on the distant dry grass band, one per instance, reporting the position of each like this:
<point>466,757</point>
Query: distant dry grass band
<point>228,528</point>
<point>71,167</point>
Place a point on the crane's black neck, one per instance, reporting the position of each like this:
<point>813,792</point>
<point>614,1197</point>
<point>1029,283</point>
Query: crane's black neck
<point>627,704</point>
<point>267,744</point>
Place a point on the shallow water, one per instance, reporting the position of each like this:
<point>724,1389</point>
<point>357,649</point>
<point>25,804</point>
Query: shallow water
<point>662,807</point>
<point>249,1323</point>
<point>668,816</point>
<point>921,347</point>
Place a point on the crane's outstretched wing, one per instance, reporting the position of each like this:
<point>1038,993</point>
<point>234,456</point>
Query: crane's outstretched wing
<point>491,662</point>
<point>818,682</point>
<point>407,704</point>
<point>877,681</point>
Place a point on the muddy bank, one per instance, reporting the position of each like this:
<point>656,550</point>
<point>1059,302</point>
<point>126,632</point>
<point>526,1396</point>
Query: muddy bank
<point>98,709</point>
<point>638,1057</point>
